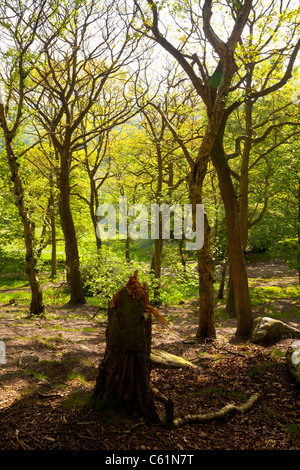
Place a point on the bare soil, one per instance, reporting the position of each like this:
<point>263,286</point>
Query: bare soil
<point>51,368</point>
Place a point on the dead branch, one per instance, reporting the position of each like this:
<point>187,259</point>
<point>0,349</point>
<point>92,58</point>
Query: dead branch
<point>235,353</point>
<point>195,419</point>
<point>168,404</point>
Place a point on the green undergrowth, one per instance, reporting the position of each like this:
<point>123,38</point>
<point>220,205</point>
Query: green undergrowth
<point>106,272</point>
<point>265,293</point>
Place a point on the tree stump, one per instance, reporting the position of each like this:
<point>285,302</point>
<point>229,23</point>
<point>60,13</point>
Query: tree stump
<point>123,381</point>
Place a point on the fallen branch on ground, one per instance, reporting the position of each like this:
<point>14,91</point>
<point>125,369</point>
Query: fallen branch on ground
<point>235,353</point>
<point>195,419</point>
<point>168,404</point>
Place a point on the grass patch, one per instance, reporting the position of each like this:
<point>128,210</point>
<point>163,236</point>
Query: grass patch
<point>76,399</point>
<point>35,374</point>
<point>22,298</point>
<point>78,376</point>
<point>261,294</point>
<point>60,328</point>
<point>13,282</point>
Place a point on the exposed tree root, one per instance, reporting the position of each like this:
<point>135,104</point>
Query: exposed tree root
<point>168,404</point>
<point>195,419</point>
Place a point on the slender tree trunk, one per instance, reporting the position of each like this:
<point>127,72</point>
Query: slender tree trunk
<point>53,230</point>
<point>230,302</point>
<point>53,246</point>
<point>93,204</point>
<point>236,253</point>
<point>157,265</point>
<point>298,247</point>
<point>243,187</point>
<point>127,249</point>
<point>206,325</point>
<point>158,243</point>
<point>181,253</point>
<point>223,275</point>
<point>67,223</point>
<point>244,176</point>
<point>36,304</point>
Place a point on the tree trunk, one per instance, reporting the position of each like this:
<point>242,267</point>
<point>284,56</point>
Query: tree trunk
<point>223,276</point>
<point>236,253</point>
<point>72,254</point>
<point>53,247</point>
<point>123,381</point>
<point>181,253</point>
<point>53,232</point>
<point>36,305</point>
<point>298,247</point>
<point>93,205</point>
<point>230,303</point>
<point>244,176</point>
<point>127,249</point>
<point>206,326</point>
<point>157,267</point>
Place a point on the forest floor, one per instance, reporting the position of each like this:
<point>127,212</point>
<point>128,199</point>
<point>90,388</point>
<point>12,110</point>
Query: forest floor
<point>51,368</point>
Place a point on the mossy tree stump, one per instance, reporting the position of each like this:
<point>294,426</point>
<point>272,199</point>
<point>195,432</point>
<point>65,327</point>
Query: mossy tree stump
<point>123,381</point>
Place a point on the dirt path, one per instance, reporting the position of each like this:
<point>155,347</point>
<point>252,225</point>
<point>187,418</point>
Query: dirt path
<point>51,366</point>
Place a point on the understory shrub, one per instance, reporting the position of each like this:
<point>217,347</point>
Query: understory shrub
<point>104,273</point>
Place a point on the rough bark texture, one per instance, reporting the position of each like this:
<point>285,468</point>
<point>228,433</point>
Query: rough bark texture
<point>36,304</point>
<point>123,382</point>
<point>243,308</point>
<point>206,326</point>
<point>67,223</point>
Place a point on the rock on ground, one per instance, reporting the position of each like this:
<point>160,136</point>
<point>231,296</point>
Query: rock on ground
<point>267,331</point>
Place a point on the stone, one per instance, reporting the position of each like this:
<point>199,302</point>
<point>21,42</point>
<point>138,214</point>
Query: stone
<point>267,331</point>
<point>293,360</point>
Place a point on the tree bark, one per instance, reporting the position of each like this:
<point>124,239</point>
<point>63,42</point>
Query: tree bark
<point>36,304</point>
<point>53,230</point>
<point>224,267</point>
<point>298,247</point>
<point>244,176</point>
<point>127,249</point>
<point>67,223</point>
<point>206,325</point>
<point>230,303</point>
<point>236,253</point>
<point>93,205</point>
<point>123,381</point>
